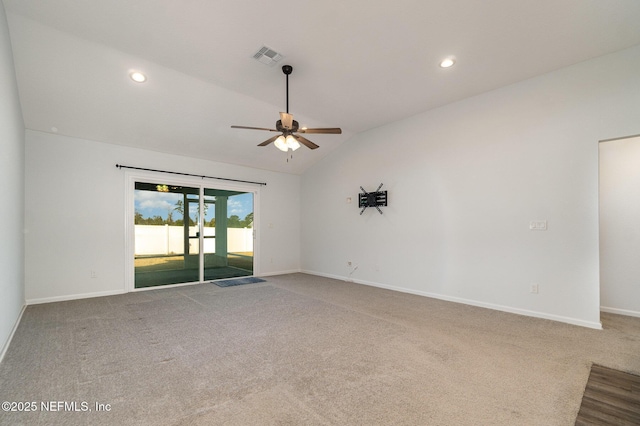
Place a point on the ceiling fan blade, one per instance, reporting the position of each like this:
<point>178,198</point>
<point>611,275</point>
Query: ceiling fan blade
<point>268,141</point>
<point>287,120</point>
<point>253,128</point>
<point>306,142</point>
<point>325,130</point>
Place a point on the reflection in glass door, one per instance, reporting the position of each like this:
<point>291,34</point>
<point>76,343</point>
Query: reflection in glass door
<point>191,234</point>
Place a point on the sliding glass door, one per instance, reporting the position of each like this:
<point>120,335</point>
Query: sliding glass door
<point>188,234</point>
<point>228,234</point>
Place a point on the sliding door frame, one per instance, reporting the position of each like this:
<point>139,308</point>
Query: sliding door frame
<point>131,177</point>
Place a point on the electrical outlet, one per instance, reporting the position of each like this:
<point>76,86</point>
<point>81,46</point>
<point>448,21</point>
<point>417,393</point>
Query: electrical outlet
<point>538,225</point>
<point>534,288</point>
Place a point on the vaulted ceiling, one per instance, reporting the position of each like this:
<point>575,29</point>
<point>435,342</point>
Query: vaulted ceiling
<point>357,64</point>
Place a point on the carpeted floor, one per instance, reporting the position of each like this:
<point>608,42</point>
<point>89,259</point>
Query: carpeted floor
<point>301,350</point>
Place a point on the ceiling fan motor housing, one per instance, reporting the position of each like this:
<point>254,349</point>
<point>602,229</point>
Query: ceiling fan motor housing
<point>281,128</point>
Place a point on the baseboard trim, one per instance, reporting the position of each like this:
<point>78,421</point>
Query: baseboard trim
<point>73,297</point>
<point>66,298</point>
<point>13,331</point>
<point>335,277</point>
<point>626,312</point>
<point>270,274</point>
<point>511,310</point>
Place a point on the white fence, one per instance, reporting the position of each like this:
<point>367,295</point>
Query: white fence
<point>166,240</point>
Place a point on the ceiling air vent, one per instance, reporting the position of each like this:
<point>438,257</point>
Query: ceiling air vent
<point>267,56</point>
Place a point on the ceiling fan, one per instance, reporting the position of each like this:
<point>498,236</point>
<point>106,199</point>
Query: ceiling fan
<point>288,127</point>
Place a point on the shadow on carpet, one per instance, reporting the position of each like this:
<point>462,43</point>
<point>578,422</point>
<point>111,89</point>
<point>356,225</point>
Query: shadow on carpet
<point>238,281</point>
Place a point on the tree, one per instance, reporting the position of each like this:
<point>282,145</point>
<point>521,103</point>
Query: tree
<point>248,220</point>
<point>234,222</point>
<point>180,209</point>
<point>138,219</point>
<point>156,220</point>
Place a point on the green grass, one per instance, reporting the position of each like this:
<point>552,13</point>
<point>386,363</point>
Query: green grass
<point>242,260</point>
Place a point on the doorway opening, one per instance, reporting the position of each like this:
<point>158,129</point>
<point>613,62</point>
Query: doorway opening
<point>189,233</point>
<point>619,230</point>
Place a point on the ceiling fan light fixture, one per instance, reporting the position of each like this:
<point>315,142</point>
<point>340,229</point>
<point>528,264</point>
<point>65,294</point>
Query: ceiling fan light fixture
<point>281,144</point>
<point>292,143</point>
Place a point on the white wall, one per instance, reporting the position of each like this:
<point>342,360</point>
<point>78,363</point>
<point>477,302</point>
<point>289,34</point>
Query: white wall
<point>464,181</point>
<point>620,226</point>
<point>75,214</point>
<point>12,178</point>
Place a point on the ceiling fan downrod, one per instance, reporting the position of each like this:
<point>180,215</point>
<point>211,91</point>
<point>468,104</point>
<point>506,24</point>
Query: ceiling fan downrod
<point>287,69</point>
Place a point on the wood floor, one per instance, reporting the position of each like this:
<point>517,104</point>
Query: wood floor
<point>611,397</point>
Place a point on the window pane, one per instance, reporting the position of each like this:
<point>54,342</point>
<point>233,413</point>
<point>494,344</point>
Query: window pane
<point>228,234</point>
<point>166,223</point>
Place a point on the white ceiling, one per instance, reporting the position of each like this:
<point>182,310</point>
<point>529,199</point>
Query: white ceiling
<point>357,64</point>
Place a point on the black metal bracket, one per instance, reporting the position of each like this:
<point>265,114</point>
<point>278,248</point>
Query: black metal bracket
<point>375,199</point>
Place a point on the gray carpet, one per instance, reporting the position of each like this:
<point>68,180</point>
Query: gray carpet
<point>303,350</point>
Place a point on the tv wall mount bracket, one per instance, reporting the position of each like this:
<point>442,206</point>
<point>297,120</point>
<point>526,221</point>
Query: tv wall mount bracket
<point>375,199</point>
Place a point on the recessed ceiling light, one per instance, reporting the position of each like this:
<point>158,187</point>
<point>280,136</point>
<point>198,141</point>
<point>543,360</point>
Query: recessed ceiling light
<point>138,77</point>
<point>448,62</point>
